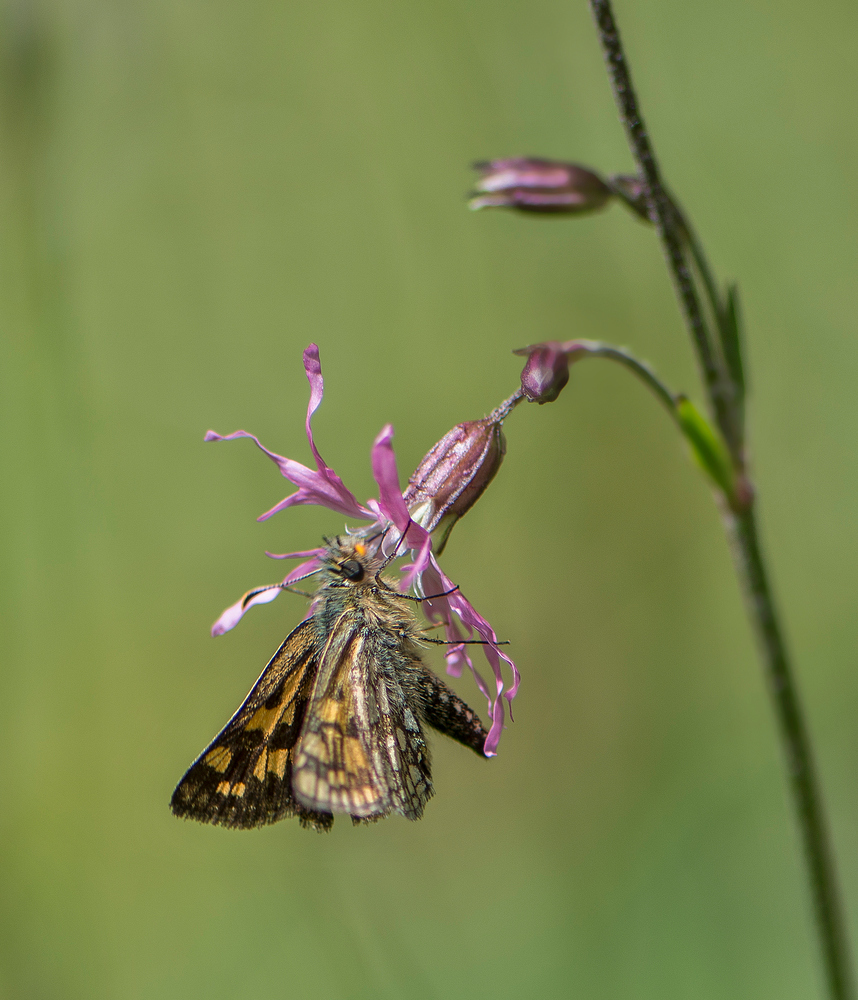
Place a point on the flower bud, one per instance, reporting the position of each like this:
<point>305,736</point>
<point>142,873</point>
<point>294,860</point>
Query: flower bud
<point>454,474</point>
<point>547,369</point>
<point>534,185</point>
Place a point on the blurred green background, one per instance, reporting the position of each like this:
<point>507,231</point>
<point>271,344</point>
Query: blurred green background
<point>191,193</point>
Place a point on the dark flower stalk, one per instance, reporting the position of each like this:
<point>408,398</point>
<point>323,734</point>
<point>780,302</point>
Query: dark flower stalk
<point>724,381</point>
<point>536,185</point>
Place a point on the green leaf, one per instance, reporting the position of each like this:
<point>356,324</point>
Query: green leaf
<point>731,340</point>
<point>707,446</point>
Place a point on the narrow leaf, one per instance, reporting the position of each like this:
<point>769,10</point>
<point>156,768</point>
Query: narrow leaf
<point>731,340</point>
<point>707,446</point>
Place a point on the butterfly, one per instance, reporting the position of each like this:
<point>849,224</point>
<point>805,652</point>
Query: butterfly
<point>335,723</point>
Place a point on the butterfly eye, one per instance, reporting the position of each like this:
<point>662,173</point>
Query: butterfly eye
<point>351,569</point>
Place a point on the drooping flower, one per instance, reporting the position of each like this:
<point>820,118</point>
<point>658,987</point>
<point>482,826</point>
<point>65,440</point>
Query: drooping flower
<point>452,489</point>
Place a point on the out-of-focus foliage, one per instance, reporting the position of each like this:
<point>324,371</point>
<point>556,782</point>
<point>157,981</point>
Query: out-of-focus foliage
<point>192,192</point>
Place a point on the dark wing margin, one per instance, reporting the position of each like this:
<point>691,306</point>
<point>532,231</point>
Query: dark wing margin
<point>243,778</point>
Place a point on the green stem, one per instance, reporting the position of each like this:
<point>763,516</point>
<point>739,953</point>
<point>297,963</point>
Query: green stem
<point>706,275</point>
<point>795,738</point>
<point>742,530</point>
<point>669,226</point>
<point>596,349</point>
<point>707,445</point>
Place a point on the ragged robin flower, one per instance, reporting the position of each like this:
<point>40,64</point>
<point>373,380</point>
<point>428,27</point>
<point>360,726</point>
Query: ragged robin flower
<point>448,481</point>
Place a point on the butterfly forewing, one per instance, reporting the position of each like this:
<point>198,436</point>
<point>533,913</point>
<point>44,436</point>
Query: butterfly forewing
<point>361,750</point>
<point>244,777</point>
<point>333,768</point>
<point>399,748</point>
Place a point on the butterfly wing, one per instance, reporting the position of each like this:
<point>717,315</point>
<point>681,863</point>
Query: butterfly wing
<point>445,711</point>
<point>244,777</point>
<point>362,749</point>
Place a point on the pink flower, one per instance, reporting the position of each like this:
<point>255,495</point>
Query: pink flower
<point>402,535</point>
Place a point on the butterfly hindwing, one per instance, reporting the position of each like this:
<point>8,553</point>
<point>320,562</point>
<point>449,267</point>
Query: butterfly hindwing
<point>244,777</point>
<point>445,711</point>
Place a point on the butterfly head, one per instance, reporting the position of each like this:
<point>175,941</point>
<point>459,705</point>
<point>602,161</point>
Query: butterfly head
<point>353,560</point>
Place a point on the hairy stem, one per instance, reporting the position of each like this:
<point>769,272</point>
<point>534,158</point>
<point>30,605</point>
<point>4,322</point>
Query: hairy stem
<point>795,739</point>
<point>669,227</point>
<point>742,529</point>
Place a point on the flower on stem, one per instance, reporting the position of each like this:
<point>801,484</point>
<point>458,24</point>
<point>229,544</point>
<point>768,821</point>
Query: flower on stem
<point>535,185</point>
<point>446,484</point>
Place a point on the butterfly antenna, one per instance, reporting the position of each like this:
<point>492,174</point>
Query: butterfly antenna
<point>298,579</point>
<point>410,597</point>
<point>464,642</point>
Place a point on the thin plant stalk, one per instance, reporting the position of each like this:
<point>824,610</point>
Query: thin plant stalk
<point>596,349</point>
<point>740,521</point>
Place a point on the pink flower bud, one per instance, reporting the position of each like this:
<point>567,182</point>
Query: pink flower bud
<point>547,369</point>
<point>534,185</point>
<point>454,473</point>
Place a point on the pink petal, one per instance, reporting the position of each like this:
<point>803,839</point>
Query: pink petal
<point>490,748</point>
<point>419,566</point>
<point>235,612</point>
<point>390,501</point>
<point>262,595</point>
<point>323,488</point>
<point>387,476</point>
<point>295,555</point>
<point>457,657</point>
<point>305,569</point>
<point>313,368</point>
<point>443,608</point>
